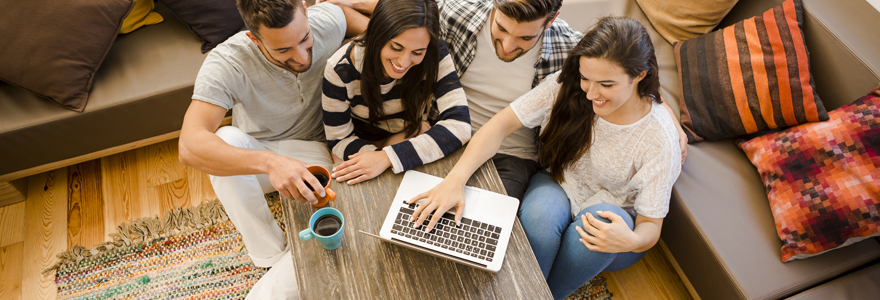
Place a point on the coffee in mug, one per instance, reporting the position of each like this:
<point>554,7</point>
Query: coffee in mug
<point>327,225</point>
<point>321,178</point>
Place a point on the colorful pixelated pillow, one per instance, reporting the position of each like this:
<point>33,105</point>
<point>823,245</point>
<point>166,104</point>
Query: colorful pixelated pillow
<point>823,179</point>
<point>750,77</point>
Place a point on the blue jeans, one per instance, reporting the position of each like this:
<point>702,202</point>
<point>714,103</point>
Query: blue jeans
<point>566,263</point>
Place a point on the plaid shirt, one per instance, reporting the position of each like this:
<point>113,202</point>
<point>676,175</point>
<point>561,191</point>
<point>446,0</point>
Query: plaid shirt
<point>461,20</point>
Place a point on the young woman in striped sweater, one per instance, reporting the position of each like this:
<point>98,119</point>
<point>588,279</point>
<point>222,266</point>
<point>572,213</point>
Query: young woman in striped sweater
<point>392,97</point>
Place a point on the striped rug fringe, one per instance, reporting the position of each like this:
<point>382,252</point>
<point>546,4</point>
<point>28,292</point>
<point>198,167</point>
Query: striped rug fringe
<point>146,229</point>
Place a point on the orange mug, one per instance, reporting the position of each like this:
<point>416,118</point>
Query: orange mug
<point>330,195</point>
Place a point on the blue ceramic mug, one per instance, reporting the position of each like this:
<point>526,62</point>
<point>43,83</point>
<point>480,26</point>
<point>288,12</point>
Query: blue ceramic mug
<point>326,225</point>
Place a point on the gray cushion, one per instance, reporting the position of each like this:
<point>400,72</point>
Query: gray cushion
<point>860,285</point>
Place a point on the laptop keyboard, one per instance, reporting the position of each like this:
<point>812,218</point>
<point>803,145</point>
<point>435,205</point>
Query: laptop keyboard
<point>472,238</point>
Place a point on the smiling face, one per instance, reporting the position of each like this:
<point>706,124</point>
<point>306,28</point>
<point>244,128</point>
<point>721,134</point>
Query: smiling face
<point>512,39</point>
<point>404,51</point>
<point>289,47</point>
<point>614,93</point>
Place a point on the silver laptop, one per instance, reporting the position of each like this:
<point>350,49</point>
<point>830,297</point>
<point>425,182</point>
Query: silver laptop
<point>481,239</point>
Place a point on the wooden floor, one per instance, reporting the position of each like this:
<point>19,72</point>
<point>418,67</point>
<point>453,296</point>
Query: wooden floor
<point>83,203</point>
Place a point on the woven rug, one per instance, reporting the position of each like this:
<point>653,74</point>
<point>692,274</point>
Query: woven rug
<point>595,289</point>
<point>189,253</point>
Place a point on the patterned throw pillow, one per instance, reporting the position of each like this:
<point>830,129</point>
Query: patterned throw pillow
<point>749,77</point>
<point>823,179</point>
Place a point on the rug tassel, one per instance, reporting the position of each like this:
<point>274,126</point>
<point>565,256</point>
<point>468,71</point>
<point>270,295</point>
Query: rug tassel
<point>146,229</point>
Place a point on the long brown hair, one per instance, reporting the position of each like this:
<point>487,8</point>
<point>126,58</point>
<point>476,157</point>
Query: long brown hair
<point>569,132</point>
<point>391,18</point>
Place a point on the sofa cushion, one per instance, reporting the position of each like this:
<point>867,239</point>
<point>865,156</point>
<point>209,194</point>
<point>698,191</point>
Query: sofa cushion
<point>749,77</point>
<point>822,179</point>
<point>141,15</point>
<point>53,48</point>
<point>685,19</point>
<point>860,285</point>
<point>213,21</point>
<point>142,91</point>
<point>721,231</point>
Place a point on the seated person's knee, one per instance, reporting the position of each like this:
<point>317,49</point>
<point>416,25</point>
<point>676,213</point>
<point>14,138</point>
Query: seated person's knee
<point>233,136</point>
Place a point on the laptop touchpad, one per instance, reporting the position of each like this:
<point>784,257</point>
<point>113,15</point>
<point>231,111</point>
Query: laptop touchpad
<point>472,201</point>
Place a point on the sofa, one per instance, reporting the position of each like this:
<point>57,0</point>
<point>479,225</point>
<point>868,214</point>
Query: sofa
<point>139,96</point>
<point>720,229</point>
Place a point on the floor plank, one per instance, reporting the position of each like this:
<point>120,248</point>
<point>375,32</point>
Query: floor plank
<point>85,205</point>
<point>10,271</point>
<point>120,186</point>
<point>158,163</point>
<point>45,232</point>
<point>653,277</point>
<point>171,195</point>
<point>617,293</point>
<point>11,224</point>
<point>200,188</point>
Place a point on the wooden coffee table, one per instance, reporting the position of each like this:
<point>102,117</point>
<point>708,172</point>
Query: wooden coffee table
<point>365,267</point>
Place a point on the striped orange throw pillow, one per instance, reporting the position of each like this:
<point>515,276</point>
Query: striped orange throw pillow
<point>749,77</point>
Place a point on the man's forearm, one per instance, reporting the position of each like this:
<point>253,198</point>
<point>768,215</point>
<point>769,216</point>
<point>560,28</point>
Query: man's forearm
<point>206,152</point>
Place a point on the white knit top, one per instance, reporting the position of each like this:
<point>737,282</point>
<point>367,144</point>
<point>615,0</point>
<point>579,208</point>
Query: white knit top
<point>631,166</point>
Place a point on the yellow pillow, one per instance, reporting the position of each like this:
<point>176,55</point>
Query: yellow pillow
<point>142,14</point>
<point>679,20</point>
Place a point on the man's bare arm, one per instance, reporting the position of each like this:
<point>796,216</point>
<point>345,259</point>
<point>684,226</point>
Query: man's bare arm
<point>201,148</point>
<point>363,6</point>
<point>356,23</point>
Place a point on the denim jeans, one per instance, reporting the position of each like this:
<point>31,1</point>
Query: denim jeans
<point>515,173</point>
<point>566,263</point>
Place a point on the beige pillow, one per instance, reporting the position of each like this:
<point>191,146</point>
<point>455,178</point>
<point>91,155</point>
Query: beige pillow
<point>679,20</point>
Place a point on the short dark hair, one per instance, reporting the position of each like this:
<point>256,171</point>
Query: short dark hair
<point>269,13</point>
<point>528,10</point>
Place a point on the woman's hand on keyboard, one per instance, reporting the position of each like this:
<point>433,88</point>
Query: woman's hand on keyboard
<point>438,200</point>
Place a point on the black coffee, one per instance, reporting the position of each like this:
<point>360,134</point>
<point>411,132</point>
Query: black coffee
<point>321,178</point>
<point>327,225</point>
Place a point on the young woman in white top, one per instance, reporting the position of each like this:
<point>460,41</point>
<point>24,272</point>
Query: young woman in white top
<point>611,153</point>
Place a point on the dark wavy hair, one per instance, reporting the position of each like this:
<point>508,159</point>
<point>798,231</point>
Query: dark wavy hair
<point>391,18</point>
<point>568,135</point>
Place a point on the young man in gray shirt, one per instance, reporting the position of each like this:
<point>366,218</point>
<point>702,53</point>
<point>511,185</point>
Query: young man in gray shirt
<point>272,76</point>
